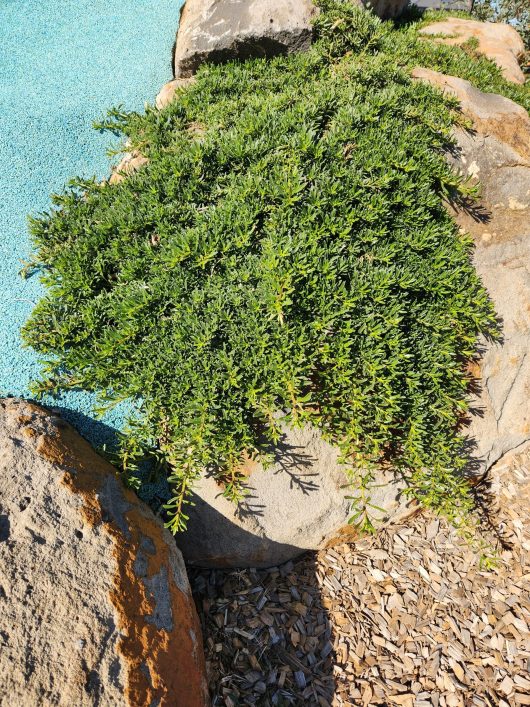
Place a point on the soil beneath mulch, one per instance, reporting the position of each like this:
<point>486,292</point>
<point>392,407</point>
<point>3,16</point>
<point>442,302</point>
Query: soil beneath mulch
<point>405,618</point>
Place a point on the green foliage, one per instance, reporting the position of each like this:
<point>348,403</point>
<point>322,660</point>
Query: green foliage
<point>343,29</point>
<point>284,256</point>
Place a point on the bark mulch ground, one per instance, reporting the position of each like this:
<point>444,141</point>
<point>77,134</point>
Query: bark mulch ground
<point>408,617</point>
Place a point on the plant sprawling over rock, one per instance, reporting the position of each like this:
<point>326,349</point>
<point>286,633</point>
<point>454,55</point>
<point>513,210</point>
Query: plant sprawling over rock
<point>284,255</point>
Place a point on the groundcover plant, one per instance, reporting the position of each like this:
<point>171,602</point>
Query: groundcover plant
<point>283,257</point>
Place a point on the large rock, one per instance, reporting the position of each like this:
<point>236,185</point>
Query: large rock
<point>496,152</point>
<point>499,42</point>
<point>497,155</point>
<point>500,419</point>
<point>95,604</point>
<point>297,504</point>
<point>219,30</point>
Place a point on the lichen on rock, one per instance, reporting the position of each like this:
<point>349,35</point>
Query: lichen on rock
<point>96,604</point>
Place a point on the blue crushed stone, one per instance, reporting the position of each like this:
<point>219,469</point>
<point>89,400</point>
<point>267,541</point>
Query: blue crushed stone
<point>63,63</point>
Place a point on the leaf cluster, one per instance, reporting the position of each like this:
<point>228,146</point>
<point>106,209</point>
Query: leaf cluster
<point>283,257</point>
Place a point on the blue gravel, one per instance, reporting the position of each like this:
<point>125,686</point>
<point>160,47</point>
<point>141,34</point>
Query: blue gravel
<point>63,63</point>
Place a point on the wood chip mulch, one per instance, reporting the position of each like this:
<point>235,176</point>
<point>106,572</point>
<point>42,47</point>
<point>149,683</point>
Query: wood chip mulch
<point>408,617</point>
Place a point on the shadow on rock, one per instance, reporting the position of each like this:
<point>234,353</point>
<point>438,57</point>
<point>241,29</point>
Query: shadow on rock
<point>97,433</point>
<point>235,545</point>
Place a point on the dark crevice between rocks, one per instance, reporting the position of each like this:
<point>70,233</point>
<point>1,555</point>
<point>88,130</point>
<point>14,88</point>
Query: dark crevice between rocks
<point>5,528</point>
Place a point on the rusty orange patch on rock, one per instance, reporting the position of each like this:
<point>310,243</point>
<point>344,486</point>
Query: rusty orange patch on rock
<point>163,667</point>
<point>345,534</point>
<point>473,369</point>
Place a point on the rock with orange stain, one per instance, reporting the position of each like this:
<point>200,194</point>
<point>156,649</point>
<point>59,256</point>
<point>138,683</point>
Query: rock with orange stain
<point>95,603</point>
<point>495,153</point>
<point>498,41</point>
<point>491,114</point>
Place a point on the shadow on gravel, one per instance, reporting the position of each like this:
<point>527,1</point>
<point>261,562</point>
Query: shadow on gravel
<point>267,634</point>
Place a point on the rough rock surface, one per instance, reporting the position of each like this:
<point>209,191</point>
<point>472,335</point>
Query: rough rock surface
<point>492,115</point>
<point>497,154</point>
<point>219,30</point>
<point>129,163</point>
<point>169,90</point>
<point>95,606</point>
<point>501,412</point>
<point>297,504</point>
<point>499,42</point>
